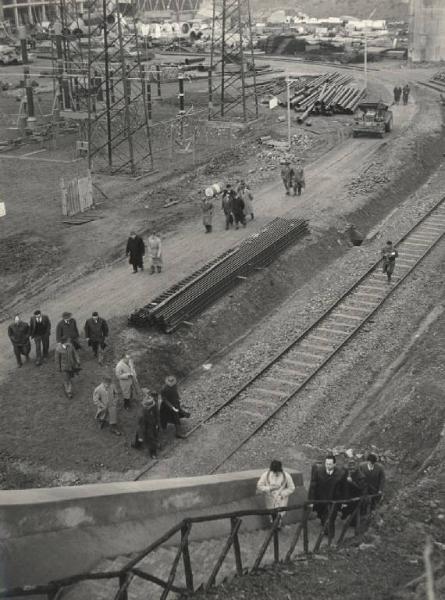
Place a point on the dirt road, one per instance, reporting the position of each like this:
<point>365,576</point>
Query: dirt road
<point>116,291</point>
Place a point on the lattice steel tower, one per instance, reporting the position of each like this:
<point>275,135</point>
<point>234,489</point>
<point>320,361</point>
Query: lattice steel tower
<point>102,74</point>
<point>232,77</point>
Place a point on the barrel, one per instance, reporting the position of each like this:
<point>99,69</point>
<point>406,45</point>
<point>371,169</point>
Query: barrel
<point>214,189</point>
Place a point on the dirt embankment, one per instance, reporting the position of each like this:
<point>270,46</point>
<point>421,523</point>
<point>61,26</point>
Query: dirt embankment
<point>407,418</point>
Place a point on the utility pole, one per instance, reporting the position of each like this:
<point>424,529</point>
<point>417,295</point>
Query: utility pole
<point>288,110</point>
<point>365,54</point>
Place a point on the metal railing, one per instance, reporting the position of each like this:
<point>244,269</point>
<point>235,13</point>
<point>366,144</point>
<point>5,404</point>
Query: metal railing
<point>359,516</point>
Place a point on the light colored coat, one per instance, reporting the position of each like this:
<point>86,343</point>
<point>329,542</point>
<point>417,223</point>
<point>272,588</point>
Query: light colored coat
<point>126,375</point>
<point>207,212</point>
<point>277,487</point>
<point>105,400</point>
<point>154,246</point>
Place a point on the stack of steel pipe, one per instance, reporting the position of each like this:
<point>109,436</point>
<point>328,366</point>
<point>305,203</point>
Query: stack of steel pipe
<point>214,280</point>
<point>326,94</point>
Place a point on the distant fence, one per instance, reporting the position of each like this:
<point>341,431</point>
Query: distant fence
<point>77,195</point>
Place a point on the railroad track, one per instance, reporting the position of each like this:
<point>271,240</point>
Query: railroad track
<point>289,372</point>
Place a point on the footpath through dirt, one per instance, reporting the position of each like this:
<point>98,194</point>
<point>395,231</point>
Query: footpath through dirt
<point>114,291</point>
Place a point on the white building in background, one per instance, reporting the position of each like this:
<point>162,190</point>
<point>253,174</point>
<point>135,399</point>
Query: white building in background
<point>427,31</point>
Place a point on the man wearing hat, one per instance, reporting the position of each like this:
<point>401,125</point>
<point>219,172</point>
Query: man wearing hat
<point>67,329</point>
<point>67,362</point>
<point>148,424</point>
<point>96,330</point>
<point>171,411</point>
<point>40,330</point>
<point>105,399</point>
<point>18,333</point>
<point>286,174</point>
<point>135,250</point>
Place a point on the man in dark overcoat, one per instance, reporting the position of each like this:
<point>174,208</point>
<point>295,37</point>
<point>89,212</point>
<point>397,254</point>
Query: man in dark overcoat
<point>96,330</point>
<point>374,476</point>
<point>40,330</point>
<point>170,410</point>
<point>18,333</point>
<point>135,251</point>
<point>67,330</point>
<point>328,482</point>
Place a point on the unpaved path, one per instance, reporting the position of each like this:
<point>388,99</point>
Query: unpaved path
<point>115,291</point>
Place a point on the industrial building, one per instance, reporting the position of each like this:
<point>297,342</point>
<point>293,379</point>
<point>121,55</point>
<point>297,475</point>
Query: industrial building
<point>427,31</point>
<point>23,12</point>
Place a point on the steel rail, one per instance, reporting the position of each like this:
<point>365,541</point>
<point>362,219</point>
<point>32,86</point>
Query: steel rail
<point>313,326</point>
<point>439,231</point>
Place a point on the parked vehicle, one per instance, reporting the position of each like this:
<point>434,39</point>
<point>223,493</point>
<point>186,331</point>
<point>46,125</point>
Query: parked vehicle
<point>374,118</point>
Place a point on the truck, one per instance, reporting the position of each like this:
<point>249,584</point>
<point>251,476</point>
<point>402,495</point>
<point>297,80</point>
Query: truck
<point>374,118</point>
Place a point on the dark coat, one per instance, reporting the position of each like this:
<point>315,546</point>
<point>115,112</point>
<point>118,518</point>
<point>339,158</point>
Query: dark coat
<point>19,333</point>
<point>170,401</point>
<point>227,201</point>
<point>67,330</point>
<point>45,326</point>
<point>327,487</point>
<point>135,250</point>
<point>237,205</point>
<point>375,479</point>
<point>148,427</point>
<point>96,330</point>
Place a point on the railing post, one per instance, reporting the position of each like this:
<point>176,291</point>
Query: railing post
<point>185,530</point>
<point>123,586</point>
<point>305,530</point>
<point>276,543</point>
<point>236,547</point>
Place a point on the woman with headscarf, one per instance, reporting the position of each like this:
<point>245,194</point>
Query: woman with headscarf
<point>148,423</point>
<point>171,411</point>
<point>207,213</point>
<point>277,486</point>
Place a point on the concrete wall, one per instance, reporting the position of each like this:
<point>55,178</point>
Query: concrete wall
<point>56,532</point>
<point>427,31</point>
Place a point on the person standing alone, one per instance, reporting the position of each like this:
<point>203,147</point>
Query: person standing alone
<point>40,330</point>
<point>389,254</point>
<point>135,251</point>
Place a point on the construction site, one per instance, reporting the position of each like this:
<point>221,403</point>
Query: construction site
<point>286,341</point>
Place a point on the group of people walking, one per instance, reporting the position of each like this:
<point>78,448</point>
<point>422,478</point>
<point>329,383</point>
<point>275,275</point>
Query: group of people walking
<point>156,410</point>
<point>236,204</point>
<point>329,485</point>
<point>67,342</point>
<point>292,176</point>
<point>123,382</point>
<point>403,93</point>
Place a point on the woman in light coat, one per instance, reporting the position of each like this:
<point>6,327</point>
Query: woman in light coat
<point>277,486</point>
<point>207,213</point>
<point>154,246</point>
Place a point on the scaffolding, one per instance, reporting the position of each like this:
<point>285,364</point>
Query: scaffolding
<point>232,62</point>
<point>102,83</point>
